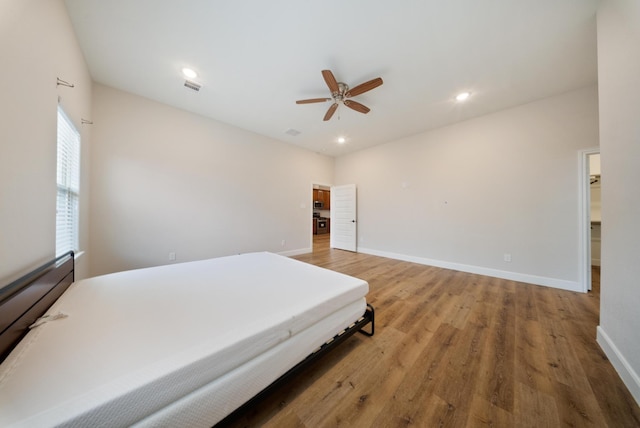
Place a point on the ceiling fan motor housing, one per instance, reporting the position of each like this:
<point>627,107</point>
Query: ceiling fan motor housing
<point>343,89</point>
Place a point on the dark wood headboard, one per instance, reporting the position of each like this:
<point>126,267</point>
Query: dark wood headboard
<point>26,299</point>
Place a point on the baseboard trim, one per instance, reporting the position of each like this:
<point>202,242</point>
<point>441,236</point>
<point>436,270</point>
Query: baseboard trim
<point>297,252</point>
<point>620,363</point>
<point>479,270</point>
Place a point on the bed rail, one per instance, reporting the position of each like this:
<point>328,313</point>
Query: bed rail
<point>26,299</point>
<point>367,319</point>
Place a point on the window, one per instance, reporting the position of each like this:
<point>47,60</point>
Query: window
<point>68,185</point>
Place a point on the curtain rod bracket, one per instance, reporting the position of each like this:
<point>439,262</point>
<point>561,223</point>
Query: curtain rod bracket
<point>64,83</point>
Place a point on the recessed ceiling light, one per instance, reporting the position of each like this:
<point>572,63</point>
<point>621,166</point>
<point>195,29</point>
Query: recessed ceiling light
<point>341,140</point>
<point>189,73</point>
<point>462,96</point>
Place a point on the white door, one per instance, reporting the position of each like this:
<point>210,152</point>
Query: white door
<point>343,217</point>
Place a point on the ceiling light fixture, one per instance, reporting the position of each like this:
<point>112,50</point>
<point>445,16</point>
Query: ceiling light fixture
<point>462,96</point>
<point>341,140</point>
<point>189,73</point>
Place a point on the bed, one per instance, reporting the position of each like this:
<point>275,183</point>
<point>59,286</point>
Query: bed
<point>182,344</point>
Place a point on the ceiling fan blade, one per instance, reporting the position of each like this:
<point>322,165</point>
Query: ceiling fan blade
<point>356,106</point>
<point>364,87</point>
<point>330,112</point>
<point>332,83</point>
<point>313,100</point>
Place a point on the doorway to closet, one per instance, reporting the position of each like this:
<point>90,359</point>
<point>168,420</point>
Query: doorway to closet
<point>590,217</point>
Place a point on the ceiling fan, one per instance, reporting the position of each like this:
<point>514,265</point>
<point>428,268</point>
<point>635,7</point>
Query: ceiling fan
<point>340,93</point>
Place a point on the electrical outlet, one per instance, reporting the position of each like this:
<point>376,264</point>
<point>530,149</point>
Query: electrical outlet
<point>172,256</point>
<point>507,257</point>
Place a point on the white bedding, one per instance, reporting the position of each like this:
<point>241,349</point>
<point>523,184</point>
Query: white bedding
<point>135,342</point>
<point>212,402</point>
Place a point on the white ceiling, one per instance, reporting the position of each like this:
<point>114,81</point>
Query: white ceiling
<point>255,58</point>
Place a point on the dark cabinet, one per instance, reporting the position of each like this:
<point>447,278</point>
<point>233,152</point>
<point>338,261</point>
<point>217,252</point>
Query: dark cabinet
<point>323,196</point>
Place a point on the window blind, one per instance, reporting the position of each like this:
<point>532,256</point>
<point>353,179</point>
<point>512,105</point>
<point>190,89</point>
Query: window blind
<point>68,181</point>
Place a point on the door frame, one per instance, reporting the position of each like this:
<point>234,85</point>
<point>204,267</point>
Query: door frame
<point>584,218</point>
<point>315,183</point>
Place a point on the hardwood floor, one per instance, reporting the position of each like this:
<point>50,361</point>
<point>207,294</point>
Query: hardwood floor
<point>453,349</point>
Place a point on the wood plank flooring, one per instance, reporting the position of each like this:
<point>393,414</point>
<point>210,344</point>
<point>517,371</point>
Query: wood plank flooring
<point>453,349</point>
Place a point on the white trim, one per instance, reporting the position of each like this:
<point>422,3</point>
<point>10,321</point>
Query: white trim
<point>622,366</point>
<point>584,219</point>
<point>297,252</point>
<point>479,270</point>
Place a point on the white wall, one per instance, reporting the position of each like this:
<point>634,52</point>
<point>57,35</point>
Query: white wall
<point>37,44</point>
<point>166,180</point>
<point>619,93</point>
<point>464,195</point>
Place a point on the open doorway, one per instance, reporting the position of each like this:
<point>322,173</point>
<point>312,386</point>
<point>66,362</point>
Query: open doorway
<point>590,218</point>
<point>321,216</point>
<point>595,183</point>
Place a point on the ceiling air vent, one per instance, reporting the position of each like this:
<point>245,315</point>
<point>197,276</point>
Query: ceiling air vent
<point>192,85</point>
<point>292,132</point>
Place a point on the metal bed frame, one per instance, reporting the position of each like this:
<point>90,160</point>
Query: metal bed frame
<point>356,327</point>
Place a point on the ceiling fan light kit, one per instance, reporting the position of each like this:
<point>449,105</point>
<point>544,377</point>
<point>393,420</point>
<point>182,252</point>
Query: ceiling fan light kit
<point>340,94</point>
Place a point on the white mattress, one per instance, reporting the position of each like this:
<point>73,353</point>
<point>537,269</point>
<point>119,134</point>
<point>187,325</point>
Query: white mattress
<point>135,342</point>
<point>212,402</point>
